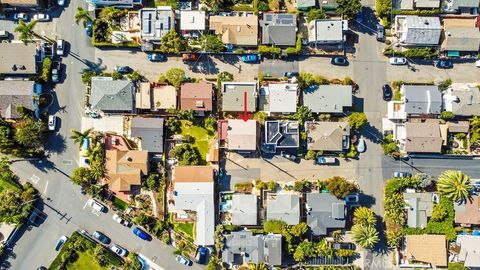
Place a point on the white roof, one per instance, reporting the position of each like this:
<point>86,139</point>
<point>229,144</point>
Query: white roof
<point>192,20</point>
<point>327,30</point>
<point>283,97</point>
<point>470,250</point>
<point>242,135</point>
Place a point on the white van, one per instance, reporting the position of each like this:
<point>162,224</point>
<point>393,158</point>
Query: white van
<point>96,205</point>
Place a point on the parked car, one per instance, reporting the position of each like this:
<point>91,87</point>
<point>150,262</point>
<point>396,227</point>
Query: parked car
<point>477,63</point>
<point>380,32</point>
<point>88,28</point>
<point>444,64</point>
<point>289,156</point>
<point>352,198</point>
<point>361,145</point>
<point>60,47</point>
<point>123,69</point>
<point>120,220</point>
<point>41,17</point>
<point>339,61</point>
<point>189,57</point>
<point>397,60</point>
<point>118,250</point>
<point>325,160</point>
<point>61,2</point>
<point>387,92</point>
<point>183,260</point>
<point>55,75</point>
<point>4,34</point>
<point>202,255</point>
<point>344,245</point>
<point>96,205</point>
<point>21,16</point>
<point>156,57</point>
<point>401,174</point>
<point>291,74</point>
<point>61,241</point>
<point>52,122</point>
<point>140,233</point>
<point>42,268</point>
<point>102,238</point>
<point>250,58</point>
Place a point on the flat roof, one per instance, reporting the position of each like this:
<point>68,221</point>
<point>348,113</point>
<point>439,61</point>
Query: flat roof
<point>17,59</point>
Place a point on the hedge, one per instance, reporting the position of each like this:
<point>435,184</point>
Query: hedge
<point>422,53</point>
<point>263,49</point>
<point>420,12</point>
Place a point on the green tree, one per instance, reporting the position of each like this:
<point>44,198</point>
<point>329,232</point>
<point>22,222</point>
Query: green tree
<point>186,154</point>
<point>175,77</point>
<point>445,115</point>
<point>260,266</point>
<point>173,125</point>
<point>110,14</point>
<point>356,120</point>
<point>172,43</point>
<point>339,186</point>
<point>6,141</point>
<point>151,183</point>
<point>11,207</point>
<point>214,263</point>
<point>304,250</point>
<point>439,213</point>
<point>455,185</point>
<point>88,75</point>
<point>272,185</point>
<point>303,114</point>
<point>383,7</point>
<point>274,226</point>
<point>310,155</point>
<point>81,176</point>
<point>211,123</point>
<point>82,16</point>
<point>456,266</point>
<point>364,216</point>
<point>31,133</point>
<point>224,76</point>
<point>78,136</point>
<point>365,236</point>
<point>299,230</point>
<point>315,14</point>
<point>25,30</point>
<point>117,75</point>
<point>349,8</point>
<point>212,44</point>
<point>186,115</point>
<point>214,5</point>
<point>134,76</point>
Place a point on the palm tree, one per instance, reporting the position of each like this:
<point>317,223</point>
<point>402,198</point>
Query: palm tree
<point>78,136</point>
<point>82,15</point>
<point>454,185</point>
<point>25,30</point>
<point>365,236</point>
<point>364,216</point>
<point>260,266</point>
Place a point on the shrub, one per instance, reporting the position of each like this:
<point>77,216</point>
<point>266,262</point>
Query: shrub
<point>263,49</point>
<point>339,186</point>
<point>310,155</point>
<point>439,213</point>
<point>422,53</point>
<point>245,187</point>
<point>274,226</point>
<point>315,14</point>
<point>356,120</point>
<point>446,115</point>
<point>46,69</point>
<point>444,85</point>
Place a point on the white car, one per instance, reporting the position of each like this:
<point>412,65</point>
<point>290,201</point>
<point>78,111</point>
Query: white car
<point>398,61</point>
<point>96,205</point>
<point>477,64</point>
<point>52,122</point>
<point>120,220</point>
<point>60,47</point>
<point>61,2</point>
<point>41,17</point>
<point>118,250</point>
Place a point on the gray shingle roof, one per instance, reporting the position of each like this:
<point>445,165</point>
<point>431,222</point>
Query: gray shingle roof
<point>328,98</point>
<point>244,247</point>
<point>150,130</point>
<point>285,207</point>
<point>327,136</point>
<point>422,99</point>
<point>279,29</point>
<point>326,212</point>
<point>421,30</point>
<point>244,209</point>
<point>467,101</point>
<point>14,94</point>
<point>461,39</point>
<point>465,3</point>
<point>109,95</point>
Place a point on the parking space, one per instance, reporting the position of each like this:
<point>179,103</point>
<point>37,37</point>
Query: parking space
<point>48,29</point>
<point>278,68</point>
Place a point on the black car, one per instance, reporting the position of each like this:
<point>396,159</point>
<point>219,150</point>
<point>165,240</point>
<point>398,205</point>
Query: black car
<point>339,61</point>
<point>102,238</point>
<point>444,64</point>
<point>387,92</point>
<point>344,245</point>
<point>123,69</point>
<point>291,74</point>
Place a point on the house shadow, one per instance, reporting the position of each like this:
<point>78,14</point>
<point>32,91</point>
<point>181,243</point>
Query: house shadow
<point>227,59</point>
<point>204,66</point>
<point>366,200</point>
<point>358,104</point>
<point>371,133</point>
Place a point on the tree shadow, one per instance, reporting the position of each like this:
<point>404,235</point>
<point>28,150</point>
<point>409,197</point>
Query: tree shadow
<point>381,247</point>
<point>367,200</point>
<point>57,143</point>
<point>367,23</point>
<point>204,65</point>
<point>371,133</point>
<point>227,59</point>
<point>90,65</point>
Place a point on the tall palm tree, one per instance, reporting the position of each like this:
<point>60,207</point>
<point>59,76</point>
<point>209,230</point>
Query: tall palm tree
<point>82,15</point>
<point>365,236</point>
<point>364,216</point>
<point>454,185</point>
<point>78,136</point>
<point>25,30</point>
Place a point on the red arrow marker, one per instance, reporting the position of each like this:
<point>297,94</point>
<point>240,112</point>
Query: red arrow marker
<point>245,113</point>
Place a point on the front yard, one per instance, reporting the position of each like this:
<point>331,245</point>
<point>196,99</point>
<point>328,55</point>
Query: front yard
<point>201,137</point>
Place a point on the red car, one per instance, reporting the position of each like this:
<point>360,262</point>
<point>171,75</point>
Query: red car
<point>189,57</point>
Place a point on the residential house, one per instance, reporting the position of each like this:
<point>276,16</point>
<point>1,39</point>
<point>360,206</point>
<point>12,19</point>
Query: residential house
<point>419,4</point>
<point>468,7</point>
<point>164,97</point>
<point>333,99</point>
<point>238,95</point>
<point>192,23</point>
<point>242,247</point>
<point>417,31</point>
<point>156,22</point>
<point>462,99</point>
<point>328,136</point>
<point>417,101</point>
<point>244,209</point>
<point>284,207</point>
<point>196,97</point>
<point>236,30</point>
<point>467,213</point>
<point>423,138</point>
<point>20,4</point>
<point>149,132</point>
<point>112,96</point>
<point>143,97</point>
<point>461,37</point>
<point>194,192</point>
<point>306,5</point>
<point>427,250</point>
<point>325,212</point>
<point>278,98</point>
<point>458,126</point>
<point>419,208</point>
<point>14,94</point>
<point>115,3</point>
<point>469,254</point>
<point>279,29</point>
<point>241,136</point>
<point>327,31</point>
<point>18,59</point>
<point>124,171</point>
<point>281,134</point>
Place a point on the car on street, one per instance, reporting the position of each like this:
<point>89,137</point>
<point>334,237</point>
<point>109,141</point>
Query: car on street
<point>250,58</point>
<point>42,268</point>
<point>181,259</point>
<point>361,145</point>
<point>52,122</point>
<point>88,28</point>
<point>477,63</point>
<point>325,160</point>
<point>401,174</point>
<point>202,255</point>
<point>60,47</point>
<point>387,92</point>
<point>102,238</point>
<point>123,69</point>
<point>4,34</point>
<point>189,57</point>
<point>291,74</point>
<point>118,250</point>
<point>20,16</point>
<point>444,64</point>
<point>380,32</point>
<point>140,233</point>
<point>352,198</point>
<point>120,220</point>
<point>289,156</point>
<point>41,17</point>
<point>61,2</point>
<point>156,57</point>
<point>339,61</point>
<point>55,75</point>
<point>96,205</point>
<point>61,241</point>
<point>397,61</point>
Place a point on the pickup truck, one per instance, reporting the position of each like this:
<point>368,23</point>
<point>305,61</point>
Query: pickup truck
<point>325,160</point>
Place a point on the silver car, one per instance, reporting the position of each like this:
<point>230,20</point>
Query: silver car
<point>41,17</point>
<point>398,61</point>
<point>118,250</point>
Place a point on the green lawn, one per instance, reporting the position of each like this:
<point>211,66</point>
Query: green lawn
<point>85,261</point>
<point>201,137</point>
<point>187,228</point>
<point>120,204</point>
